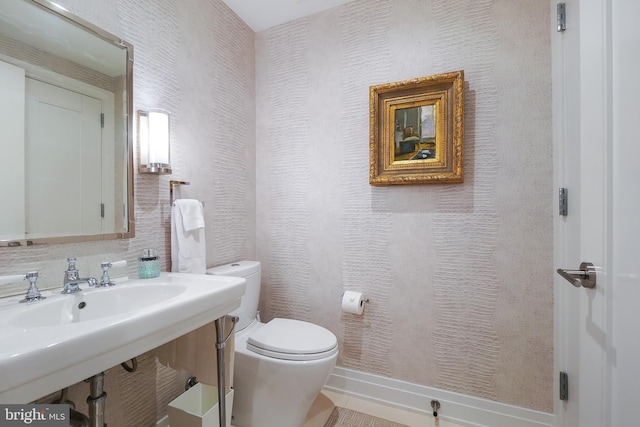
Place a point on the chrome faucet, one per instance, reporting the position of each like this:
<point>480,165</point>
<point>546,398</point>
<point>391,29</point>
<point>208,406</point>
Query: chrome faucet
<point>105,266</point>
<point>72,279</point>
<point>33,293</point>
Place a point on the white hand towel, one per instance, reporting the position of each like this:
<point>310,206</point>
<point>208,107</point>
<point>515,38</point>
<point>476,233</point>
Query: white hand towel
<point>192,214</point>
<point>188,249</point>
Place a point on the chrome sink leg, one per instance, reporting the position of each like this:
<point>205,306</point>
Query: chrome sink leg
<point>96,400</point>
<point>221,343</point>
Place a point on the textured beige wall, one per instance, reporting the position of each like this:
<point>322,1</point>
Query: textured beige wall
<point>196,60</point>
<point>459,276</point>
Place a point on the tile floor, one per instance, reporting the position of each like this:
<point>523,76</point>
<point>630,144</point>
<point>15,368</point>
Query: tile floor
<point>327,400</point>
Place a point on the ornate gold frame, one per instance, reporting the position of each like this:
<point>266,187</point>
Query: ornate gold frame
<point>444,94</point>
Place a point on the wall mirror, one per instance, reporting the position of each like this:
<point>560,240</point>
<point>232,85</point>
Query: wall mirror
<point>417,130</point>
<point>65,128</point>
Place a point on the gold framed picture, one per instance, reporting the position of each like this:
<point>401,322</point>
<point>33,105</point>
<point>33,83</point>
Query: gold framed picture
<point>417,131</point>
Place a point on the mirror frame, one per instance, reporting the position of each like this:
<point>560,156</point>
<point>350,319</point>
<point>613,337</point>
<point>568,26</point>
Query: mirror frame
<point>446,92</point>
<point>128,48</point>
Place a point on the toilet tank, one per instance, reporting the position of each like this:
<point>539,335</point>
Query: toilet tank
<point>250,271</point>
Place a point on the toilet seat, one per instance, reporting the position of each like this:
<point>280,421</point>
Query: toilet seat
<point>290,339</point>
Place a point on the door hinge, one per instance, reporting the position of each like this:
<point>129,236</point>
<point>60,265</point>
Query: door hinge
<point>563,202</point>
<point>561,9</point>
<point>102,210</point>
<point>564,386</point>
<point>102,120</point>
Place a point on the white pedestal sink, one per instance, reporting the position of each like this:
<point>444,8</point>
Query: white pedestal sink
<point>51,344</point>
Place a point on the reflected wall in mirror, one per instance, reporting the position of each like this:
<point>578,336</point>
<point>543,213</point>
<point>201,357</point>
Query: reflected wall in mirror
<point>65,133</point>
<point>417,130</point>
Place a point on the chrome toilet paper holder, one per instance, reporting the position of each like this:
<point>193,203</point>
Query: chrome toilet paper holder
<point>366,300</point>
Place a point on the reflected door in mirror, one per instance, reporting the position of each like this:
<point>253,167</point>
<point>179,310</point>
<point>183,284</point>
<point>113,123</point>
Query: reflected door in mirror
<point>64,171</point>
<point>12,194</point>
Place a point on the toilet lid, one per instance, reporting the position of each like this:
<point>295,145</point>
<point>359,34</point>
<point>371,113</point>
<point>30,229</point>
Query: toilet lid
<point>293,340</point>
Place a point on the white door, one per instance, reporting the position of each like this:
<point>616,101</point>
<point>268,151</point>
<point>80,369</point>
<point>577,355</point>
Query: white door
<point>12,223</point>
<point>581,157</point>
<point>624,351</point>
<point>596,112</point>
<point>64,171</point>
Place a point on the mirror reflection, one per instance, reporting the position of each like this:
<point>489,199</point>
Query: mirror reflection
<point>65,111</point>
<point>415,133</point>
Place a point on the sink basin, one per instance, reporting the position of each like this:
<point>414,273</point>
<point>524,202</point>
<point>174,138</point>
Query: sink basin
<point>51,344</point>
<point>85,307</point>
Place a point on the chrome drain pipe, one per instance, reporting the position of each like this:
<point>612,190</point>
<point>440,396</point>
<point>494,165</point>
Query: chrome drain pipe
<point>96,400</point>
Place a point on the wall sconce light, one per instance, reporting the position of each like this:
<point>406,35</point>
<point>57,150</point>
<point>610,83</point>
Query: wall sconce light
<point>153,139</point>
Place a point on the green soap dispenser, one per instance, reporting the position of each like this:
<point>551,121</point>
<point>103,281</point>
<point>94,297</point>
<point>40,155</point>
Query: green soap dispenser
<point>149,264</point>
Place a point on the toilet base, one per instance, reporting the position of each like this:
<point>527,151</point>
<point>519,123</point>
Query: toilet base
<point>273,392</point>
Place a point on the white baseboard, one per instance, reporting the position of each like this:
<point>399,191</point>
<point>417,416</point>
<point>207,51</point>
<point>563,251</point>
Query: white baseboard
<point>456,407</point>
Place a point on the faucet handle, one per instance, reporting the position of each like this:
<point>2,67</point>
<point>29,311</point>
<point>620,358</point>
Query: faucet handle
<point>117,264</point>
<point>105,266</point>
<point>33,293</point>
<point>14,278</point>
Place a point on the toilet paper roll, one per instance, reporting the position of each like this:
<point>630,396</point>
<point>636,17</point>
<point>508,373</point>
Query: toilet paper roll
<point>353,302</point>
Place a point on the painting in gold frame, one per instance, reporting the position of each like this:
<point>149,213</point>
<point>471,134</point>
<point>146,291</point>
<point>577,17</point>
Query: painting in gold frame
<point>417,130</point>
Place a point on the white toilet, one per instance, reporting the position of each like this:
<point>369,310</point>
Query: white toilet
<point>280,366</point>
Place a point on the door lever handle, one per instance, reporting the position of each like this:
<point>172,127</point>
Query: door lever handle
<point>585,277</point>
